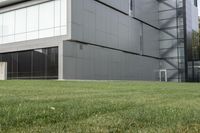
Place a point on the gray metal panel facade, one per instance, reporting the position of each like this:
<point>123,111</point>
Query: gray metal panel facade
<point>122,5</point>
<point>171,22</point>
<point>96,23</point>
<point>147,10</point>
<point>92,62</point>
<point>104,41</point>
<point>110,32</point>
<point>150,41</point>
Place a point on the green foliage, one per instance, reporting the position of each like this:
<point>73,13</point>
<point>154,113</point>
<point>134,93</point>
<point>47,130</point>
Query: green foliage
<point>103,106</point>
<point>195,46</point>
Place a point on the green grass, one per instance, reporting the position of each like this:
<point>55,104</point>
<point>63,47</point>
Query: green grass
<point>120,106</point>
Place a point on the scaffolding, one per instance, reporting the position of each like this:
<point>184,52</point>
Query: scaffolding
<point>172,49</point>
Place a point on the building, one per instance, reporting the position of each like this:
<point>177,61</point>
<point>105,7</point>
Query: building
<point>98,39</point>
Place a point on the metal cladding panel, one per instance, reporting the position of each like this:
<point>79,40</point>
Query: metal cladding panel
<point>150,41</point>
<point>122,5</point>
<point>147,11</point>
<point>171,14</point>
<point>96,23</point>
<point>167,4</point>
<point>97,63</point>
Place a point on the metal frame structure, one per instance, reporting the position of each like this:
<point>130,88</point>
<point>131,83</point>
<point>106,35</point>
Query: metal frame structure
<point>177,33</point>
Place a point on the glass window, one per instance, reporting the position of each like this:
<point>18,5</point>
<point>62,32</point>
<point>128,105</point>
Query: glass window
<point>8,58</point>
<point>32,35</point>
<point>39,56</point>
<point>32,18</point>
<point>63,30</point>
<point>52,62</point>
<point>37,64</point>
<point>8,39</point>
<point>8,23</point>
<point>39,21</point>
<point>57,31</point>
<point>14,65</point>
<point>46,18</point>
<point>20,21</point>
<point>1,25</point>
<point>24,64</point>
<point>20,37</point>
<point>63,12</point>
<point>57,13</point>
<point>46,33</point>
<point>1,28</point>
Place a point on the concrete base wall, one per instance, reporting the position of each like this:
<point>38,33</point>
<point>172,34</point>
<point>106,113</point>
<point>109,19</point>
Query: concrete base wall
<point>3,71</point>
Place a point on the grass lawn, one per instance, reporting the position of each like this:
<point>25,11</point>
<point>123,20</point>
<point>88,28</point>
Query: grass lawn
<point>112,106</point>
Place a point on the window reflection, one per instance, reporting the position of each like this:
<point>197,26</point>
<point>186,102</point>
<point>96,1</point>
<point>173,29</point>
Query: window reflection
<point>20,21</point>
<point>8,23</point>
<point>32,19</point>
<point>46,15</point>
<point>24,64</point>
<point>32,64</point>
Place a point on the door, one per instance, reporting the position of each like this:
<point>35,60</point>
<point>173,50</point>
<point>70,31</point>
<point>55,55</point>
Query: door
<point>163,75</point>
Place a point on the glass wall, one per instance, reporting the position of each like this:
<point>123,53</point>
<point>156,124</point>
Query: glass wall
<point>32,64</point>
<point>39,21</point>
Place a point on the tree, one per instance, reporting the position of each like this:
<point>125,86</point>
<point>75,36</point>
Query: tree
<point>195,46</point>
